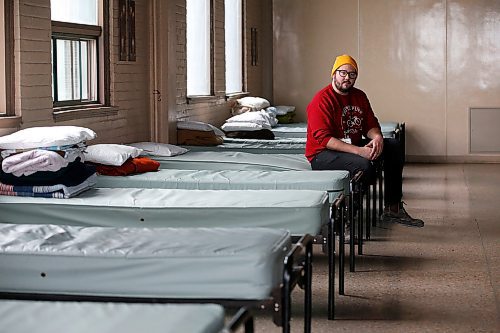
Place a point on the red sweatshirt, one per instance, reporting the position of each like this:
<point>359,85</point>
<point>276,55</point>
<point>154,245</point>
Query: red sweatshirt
<point>330,114</point>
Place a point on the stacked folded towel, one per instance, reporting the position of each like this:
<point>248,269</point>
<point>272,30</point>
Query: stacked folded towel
<point>46,162</point>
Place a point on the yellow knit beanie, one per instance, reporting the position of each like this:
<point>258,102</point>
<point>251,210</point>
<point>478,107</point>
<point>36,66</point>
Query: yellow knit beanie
<point>342,60</point>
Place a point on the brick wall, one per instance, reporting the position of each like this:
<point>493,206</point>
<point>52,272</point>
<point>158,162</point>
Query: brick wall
<point>130,89</point>
<point>131,82</point>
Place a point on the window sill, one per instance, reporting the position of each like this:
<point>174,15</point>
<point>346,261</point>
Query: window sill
<point>201,99</point>
<point>10,122</point>
<point>234,96</point>
<point>82,112</point>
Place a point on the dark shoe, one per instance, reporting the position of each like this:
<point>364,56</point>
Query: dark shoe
<point>402,217</point>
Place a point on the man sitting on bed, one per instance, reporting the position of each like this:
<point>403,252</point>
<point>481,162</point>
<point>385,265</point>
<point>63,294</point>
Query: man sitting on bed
<point>337,118</point>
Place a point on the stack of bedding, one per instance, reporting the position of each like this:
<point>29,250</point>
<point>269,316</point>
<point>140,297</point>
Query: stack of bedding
<point>46,162</point>
<point>250,120</point>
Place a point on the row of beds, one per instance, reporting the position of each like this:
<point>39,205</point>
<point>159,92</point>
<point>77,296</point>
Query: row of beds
<point>200,230</point>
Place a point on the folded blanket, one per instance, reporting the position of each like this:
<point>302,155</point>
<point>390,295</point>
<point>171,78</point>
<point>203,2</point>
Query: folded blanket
<point>29,162</point>
<point>74,174</point>
<point>263,134</point>
<point>198,138</point>
<point>55,191</point>
<point>131,166</point>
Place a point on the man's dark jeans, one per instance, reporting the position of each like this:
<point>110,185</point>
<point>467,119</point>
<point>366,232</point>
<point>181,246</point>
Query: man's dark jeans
<point>393,159</point>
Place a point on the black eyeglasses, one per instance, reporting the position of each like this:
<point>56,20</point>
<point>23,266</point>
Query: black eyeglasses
<point>352,75</point>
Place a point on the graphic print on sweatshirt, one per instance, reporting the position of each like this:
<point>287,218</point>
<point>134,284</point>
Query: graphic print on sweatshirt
<point>351,120</point>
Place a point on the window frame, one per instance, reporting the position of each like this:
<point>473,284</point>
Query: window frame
<point>58,34</point>
<point>100,32</point>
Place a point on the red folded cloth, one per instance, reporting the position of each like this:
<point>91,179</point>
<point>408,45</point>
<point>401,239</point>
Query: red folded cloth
<point>131,166</point>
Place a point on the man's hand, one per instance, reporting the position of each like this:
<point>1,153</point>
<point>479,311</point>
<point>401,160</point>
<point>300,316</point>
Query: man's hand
<point>366,152</point>
<point>376,145</point>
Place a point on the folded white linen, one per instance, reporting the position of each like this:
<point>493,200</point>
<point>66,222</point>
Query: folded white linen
<point>259,117</point>
<point>29,162</point>
<point>244,126</point>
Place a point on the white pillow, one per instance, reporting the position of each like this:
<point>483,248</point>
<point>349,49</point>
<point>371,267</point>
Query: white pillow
<point>160,149</point>
<point>241,126</point>
<point>110,154</point>
<point>199,126</point>
<point>258,117</point>
<point>256,103</point>
<point>44,137</point>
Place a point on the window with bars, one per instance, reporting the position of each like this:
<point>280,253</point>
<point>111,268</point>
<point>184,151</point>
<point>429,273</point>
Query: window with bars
<point>76,43</point>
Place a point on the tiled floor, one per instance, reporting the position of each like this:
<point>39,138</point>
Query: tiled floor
<point>442,278</point>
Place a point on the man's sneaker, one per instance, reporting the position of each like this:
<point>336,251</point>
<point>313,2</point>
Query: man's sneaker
<point>402,217</point>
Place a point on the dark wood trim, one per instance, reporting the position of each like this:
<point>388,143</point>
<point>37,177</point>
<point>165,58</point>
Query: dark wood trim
<point>10,77</point>
<point>75,29</point>
<point>106,99</point>
<point>212,48</point>
<point>82,112</point>
<point>131,31</point>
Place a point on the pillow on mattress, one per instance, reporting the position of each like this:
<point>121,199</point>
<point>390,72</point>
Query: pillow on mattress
<point>258,117</point>
<point>45,137</point>
<point>198,138</point>
<point>159,149</point>
<point>199,126</point>
<point>110,154</point>
<point>255,103</point>
<point>244,126</point>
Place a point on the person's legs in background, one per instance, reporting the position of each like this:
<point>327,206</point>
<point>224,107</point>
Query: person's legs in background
<point>393,182</point>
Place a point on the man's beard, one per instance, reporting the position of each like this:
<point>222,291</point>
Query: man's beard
<point>338,85</point>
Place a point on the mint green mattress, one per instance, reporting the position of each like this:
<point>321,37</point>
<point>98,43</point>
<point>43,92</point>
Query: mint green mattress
<point>180,263</point>
<point>300,211</point>
<point>334,182</point>
<point>299,130</point>
<point>258,146</point>
<point>233,160</point>
<point>85,317</point>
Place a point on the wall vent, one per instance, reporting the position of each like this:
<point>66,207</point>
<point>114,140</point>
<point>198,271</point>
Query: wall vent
<point>484,130</point>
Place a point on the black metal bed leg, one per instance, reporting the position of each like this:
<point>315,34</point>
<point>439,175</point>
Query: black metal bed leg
<point>308,288</point>
<point>286,301</point>
<point>381,192</point>
<point>249,326</point>
<point>368,213</point>
<point>352,254</point>
<point>360,221</point>
<point>342,249</point>
<point>331,267</point>
<point>374,202</point>
<point>355,205</point>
